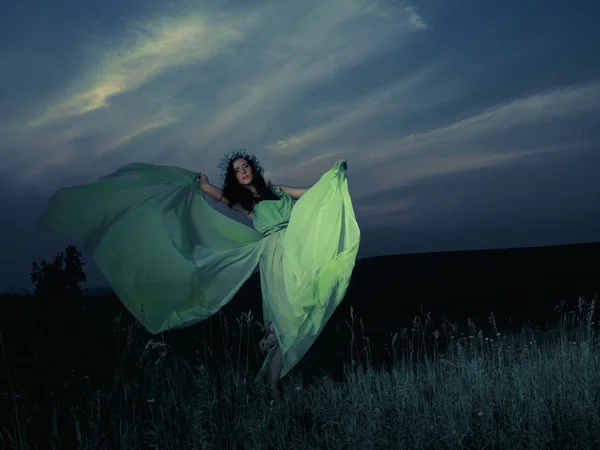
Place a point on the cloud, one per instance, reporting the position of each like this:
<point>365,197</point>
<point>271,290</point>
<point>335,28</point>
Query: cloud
<point>145,129</point>
<point>502,135</point>
<point>150,48</point>
<point>448,191</point>
<point>391,176</point>
<point>397,211</point>
<point>308,82</point>
<point>320,40</point>
<point>404,97</point>
<point>309,169</point>
<point>533,111</point>
<point>499,135</point>
<point>201,77</point>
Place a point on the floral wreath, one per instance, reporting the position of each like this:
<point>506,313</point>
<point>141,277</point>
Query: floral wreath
<point>236,154</point>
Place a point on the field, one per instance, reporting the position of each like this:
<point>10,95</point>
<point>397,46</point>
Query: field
<point>86,376</point>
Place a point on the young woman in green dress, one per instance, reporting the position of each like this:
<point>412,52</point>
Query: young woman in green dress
<point>173,260</point>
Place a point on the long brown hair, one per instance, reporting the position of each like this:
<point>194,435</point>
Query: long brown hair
<point>238,194</point>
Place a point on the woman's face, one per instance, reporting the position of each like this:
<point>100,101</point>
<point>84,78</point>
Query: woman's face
<point>243,171</point>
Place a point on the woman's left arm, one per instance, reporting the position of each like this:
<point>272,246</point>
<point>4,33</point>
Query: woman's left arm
<point>295,193</point>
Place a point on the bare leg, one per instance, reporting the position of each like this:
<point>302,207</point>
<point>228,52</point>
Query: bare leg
<point>275,372</point>
<point>269,341</point>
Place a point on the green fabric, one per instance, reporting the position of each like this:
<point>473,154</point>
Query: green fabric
<point>174,260</point>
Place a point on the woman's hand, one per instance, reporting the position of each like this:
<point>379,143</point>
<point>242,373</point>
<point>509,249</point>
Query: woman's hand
<point>203,179</point>
<point>203,182</point>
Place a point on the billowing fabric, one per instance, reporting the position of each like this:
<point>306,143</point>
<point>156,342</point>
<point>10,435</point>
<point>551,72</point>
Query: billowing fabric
<point>174,260</point>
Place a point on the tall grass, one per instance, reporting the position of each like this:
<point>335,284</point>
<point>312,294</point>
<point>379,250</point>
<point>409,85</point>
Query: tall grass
<point>443,389</point>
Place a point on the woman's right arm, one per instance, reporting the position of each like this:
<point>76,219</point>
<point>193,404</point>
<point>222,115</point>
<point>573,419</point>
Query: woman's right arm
<point>210,190</point>
<point>217,194</point>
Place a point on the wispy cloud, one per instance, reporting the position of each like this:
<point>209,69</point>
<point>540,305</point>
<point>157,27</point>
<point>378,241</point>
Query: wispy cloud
<point>149,48</point>
<point>198,80</point>
<point>309,169</point>
<point>145,129</point>
<point>520,114</point>
<point>412,171</point>
<point>382,209</point>
<point>202,76</point>
<point>405,97</point>
<point>501,135</point>
<point>321,40</point>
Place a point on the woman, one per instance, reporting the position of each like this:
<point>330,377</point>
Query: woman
<point>173,260</point>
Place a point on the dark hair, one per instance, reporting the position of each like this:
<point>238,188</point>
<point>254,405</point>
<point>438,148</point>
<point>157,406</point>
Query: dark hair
<point>238,194</point>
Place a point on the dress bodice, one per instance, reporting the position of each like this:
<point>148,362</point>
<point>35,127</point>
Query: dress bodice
<point>273,215</point>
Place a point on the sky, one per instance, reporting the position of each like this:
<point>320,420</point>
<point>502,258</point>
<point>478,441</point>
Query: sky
<point>465,124</point>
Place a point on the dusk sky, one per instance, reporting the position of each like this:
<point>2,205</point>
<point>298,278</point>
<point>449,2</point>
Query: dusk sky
<point>465,124</point>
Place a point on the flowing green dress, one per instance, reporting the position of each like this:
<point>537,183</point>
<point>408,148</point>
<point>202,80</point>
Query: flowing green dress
<point>174,260</point>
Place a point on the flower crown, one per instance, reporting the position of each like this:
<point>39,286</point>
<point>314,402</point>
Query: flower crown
<point>235,154</point>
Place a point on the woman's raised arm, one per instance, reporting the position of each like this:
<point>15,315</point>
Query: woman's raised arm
<point>210,190</point>
<point>295,193</point>
<point>217,194</point>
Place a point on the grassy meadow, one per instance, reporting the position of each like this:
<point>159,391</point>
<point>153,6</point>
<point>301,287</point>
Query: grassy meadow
<point>95,379</point>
